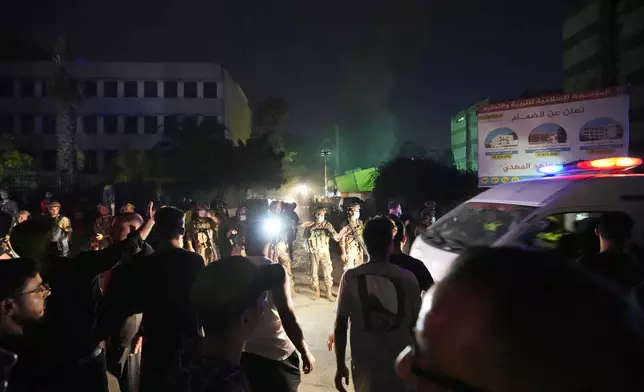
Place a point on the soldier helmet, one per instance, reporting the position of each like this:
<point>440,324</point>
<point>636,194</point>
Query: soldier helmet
<point>352,206</point>
<point>319,210</point>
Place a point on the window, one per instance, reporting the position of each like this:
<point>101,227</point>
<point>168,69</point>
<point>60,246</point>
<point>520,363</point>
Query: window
<point>110,124</point>
<point>170,122</point>
<point>90,88</point>
<point>6,88</point>
<point>131,125</point>
<point>131,89</point>
<point>150,89</point>
<point>45,88</point>
<point>49,159</point>
<point>27,88</point>
<point>474,224</point>
<point>49,124</point>
<point>110,158</point>
<point>190,89</point>
<point>27,124</point>
<point>150,124</point>
<point>110,89</point>
<point>170,89</point>
<point>90,125</point>
<point>7,122</point>
<point>210,89</point>
<point>91,161</point>
<point>571,235</point>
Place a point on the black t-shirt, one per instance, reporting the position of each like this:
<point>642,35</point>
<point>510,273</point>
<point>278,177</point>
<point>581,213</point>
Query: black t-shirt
<point>415,266</point>
<point>619,268</point>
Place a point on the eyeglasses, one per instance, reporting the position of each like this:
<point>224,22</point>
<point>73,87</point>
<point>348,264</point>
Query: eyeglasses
<point>41,289</point>
<point>436,377</point>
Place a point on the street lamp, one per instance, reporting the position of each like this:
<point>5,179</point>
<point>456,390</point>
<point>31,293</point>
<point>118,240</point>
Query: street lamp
<point>325,155</point>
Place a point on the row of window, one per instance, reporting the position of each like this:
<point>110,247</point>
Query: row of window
<point>28,88</point>
<point>46,124</point>
<point>90,163</point>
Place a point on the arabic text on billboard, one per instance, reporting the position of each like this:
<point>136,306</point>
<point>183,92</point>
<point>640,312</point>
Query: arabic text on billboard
<point>518,137</point>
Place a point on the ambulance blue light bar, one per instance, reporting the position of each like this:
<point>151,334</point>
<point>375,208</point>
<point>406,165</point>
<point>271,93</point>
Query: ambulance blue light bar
<point>605,164</point>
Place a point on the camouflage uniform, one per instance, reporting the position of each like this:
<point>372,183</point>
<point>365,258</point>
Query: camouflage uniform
<point>201,233</point>
<point>317,237</point>
<point>353,246</point>
<point>103,226</point>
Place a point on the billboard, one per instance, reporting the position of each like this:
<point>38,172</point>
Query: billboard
<point>516,138</point>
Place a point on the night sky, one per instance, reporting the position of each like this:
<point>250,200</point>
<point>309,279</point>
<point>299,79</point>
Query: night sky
<point>445,54</point>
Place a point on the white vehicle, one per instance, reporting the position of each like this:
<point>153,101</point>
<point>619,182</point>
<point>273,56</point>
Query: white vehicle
<point>553,212</point>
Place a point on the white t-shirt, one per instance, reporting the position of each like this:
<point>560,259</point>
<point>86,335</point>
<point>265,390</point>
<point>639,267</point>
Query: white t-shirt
<point>382,302</point>
<point>269,339</point>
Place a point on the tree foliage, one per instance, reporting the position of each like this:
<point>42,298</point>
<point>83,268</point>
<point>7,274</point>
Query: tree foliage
<point>12,160</point>
<point>200,157</point>
<point>415,181</point>
<point>270,115</point>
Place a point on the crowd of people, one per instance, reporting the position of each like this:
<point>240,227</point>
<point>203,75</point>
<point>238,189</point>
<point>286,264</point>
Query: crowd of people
<point>210,308</point>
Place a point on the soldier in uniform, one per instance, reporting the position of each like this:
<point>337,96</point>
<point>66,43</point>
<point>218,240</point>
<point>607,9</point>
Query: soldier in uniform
<point>63,235</point>
<point>352,247</point>
<point>102,227</point>
<point>201,235</point>
<point>317,235</point>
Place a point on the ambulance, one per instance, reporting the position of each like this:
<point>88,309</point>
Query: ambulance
<point>553,212</point>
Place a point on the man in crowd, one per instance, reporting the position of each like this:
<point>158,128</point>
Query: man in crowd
<point>5,228</point>
<point>159,288</point>
<point>612,262</point>
<point>117,323</point>
<point>228,314</point>
<point>278,249</point>
<point>23,216</point>
<point>22,304</point>
<point>63,229</point>
<point>201,235</point>
<point>395,210</point>
<point>493,325</point>
<point>69,332</point>
<point>270,360</point>
<point>102,227</point>
<point>317,235</point>
<point>404,261</point>
<point>352,246</point>
<point>8,206</point>
<point>381,300</point>
<point>44,204</point>
<point>237,231</point>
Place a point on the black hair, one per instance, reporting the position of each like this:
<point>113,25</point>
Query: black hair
<point>169,222</point>
<point>400,232</point>
<point>548,318</point>
<point>394,204</point>
<point>14,273</point>
<point>378,235</point>
<point>256,238</point>
<point>615,226</point>
<point>5,223</point>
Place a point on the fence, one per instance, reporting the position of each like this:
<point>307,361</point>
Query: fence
<point>57,182</point>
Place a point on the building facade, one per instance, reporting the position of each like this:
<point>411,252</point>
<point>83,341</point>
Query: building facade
<point>603,43</point>
<point>464,131</point>
<point>124,109</point>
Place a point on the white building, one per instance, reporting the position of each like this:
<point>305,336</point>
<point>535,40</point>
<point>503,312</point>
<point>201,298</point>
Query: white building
<point>500,141</point>
<point>124,110</point>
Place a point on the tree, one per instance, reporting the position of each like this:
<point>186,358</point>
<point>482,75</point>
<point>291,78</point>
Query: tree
<point>411,149</point>
<point>12,160</point>
<point>270,115</point>
<point>415,181</point>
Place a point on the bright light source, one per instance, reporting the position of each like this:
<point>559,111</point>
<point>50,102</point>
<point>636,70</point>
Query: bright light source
<point>610,163</point>
<point>272,226</point>
<point>552,169</point>
<point>302,188</point>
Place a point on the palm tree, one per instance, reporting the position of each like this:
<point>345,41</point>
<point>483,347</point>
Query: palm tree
<point>66,90</point>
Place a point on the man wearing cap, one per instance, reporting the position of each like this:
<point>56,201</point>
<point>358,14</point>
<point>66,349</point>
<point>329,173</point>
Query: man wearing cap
<point>64,234</point>
<point>201,235</point>
<point>228,314</point>
<point>317,235</point>
<point>352,247</point>
<point>102,227</point>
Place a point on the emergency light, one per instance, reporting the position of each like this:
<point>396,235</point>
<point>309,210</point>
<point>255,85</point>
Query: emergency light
<point>605,164</point>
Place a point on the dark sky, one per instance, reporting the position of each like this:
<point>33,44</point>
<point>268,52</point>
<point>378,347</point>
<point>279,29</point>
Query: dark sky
<point>447,54</point>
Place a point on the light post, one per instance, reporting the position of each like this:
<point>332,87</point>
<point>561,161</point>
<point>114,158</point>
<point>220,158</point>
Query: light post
<point>325,155</point>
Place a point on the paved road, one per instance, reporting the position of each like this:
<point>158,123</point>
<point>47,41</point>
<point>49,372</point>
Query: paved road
<point>316,318</point>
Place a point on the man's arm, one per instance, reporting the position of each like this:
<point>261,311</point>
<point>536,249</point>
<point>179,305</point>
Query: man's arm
<point>284,304</point>
<point>342,322</point>
<point>92,263</point>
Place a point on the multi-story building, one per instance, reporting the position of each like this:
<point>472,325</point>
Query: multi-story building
<point>465,138</point>
<point>603,45</point>
<point>124,110</point>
